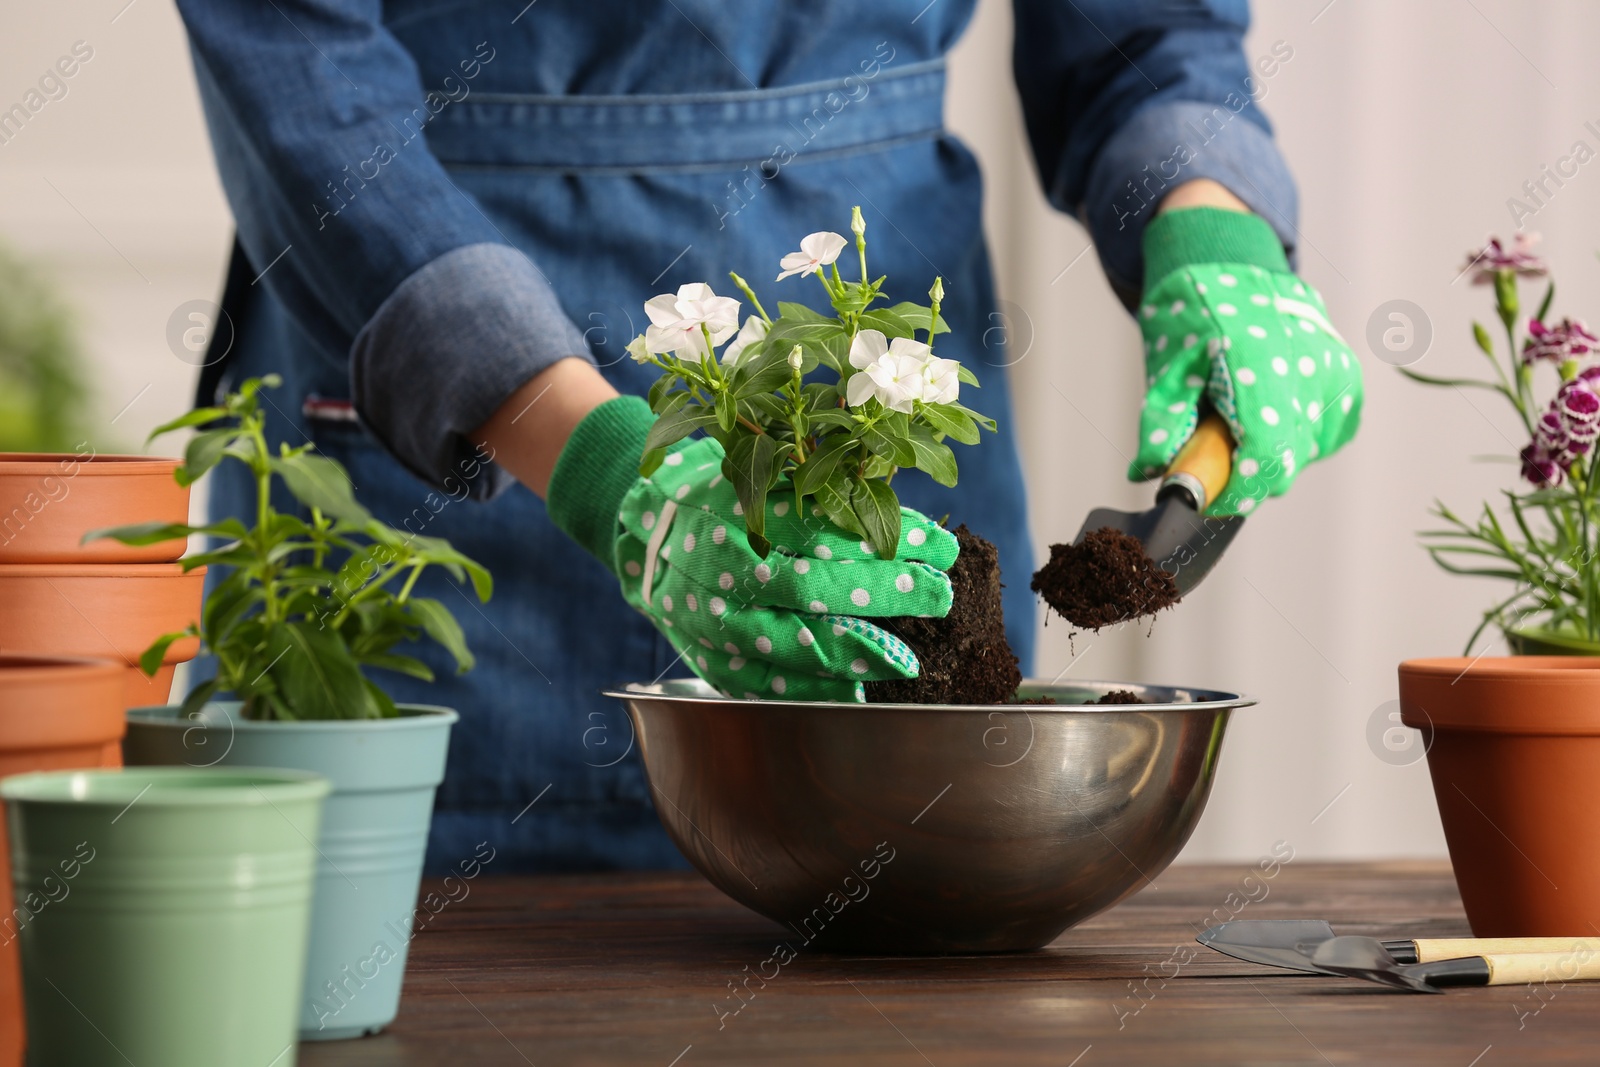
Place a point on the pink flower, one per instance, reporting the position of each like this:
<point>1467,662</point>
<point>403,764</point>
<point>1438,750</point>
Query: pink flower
<point>1565,433</point>
<point>1567,339</point>
<point>1495,256</point>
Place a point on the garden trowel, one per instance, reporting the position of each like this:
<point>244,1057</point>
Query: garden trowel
<point>1421,964</point>
<point>1176,533</point>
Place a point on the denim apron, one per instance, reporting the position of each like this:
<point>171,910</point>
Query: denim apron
<point>616,199</point>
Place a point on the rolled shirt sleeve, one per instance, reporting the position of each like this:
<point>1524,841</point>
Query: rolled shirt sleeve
<point>316,114</point>
<point>1126,99</point>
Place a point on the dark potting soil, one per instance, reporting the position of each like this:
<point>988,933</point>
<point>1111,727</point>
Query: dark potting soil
<point>1119,696</point>
<point>965,657</point>
<point>1104,580</point>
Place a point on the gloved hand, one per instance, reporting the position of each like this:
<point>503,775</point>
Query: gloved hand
<point>793,625</point>
<point>1225,320</point>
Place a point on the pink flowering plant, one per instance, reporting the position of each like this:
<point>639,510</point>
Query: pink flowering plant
<point>828,407</point>
<point>1546,540</point>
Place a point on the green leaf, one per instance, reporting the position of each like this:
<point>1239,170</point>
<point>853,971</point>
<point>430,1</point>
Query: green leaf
<point>1544,305</point>
<point>767,406</point>
<point>674,426</point>
<point>833,501</point>
<point>315,673</point>
<point>197,417</point>
<point>150,659</point>
<point>198,697</point>
<point>727,412</point>
<point>820,465</point>
<point>789,312</point>
<point>203,452</point>
<point>440,625</point>
<point>750,467</point>
<point>882,442</point>
<point>651,462</point>
<point>833,418</point>
<point>321,483</point>
<point>659,390</point>
<point>950,421</point>
<point>1428,379</point>
<point>891,323</point>
<point>879,511</point>
<point>438,550</point>
<point>407,665</point>
<point>965,375</point>
<point>141,533</point>
<point>758,378</point>
<point>933,456</point>
<point>386,708</point>
<point>918,315</point>
<point>982,420</point>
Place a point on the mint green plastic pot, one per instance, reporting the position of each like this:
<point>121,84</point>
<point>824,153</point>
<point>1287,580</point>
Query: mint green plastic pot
<point>374,832</point>
<point>168,910</point>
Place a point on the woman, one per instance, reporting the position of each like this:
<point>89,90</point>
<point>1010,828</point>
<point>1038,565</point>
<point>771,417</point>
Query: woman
<point>449,217</point>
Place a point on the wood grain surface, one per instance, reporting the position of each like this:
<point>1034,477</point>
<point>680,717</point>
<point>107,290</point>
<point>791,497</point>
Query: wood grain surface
<point>639,969</point>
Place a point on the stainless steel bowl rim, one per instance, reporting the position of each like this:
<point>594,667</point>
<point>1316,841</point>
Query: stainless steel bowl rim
<point>696,691</point>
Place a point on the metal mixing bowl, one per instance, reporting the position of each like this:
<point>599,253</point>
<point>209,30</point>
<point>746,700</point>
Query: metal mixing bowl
<point>930,829</point>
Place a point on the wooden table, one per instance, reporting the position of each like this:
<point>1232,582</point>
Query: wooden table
<point>635,969</point>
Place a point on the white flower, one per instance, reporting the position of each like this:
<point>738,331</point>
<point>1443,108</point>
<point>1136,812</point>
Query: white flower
<point>941,381</point>
<point>639,350</point>
<point>755,329</point>
<point>797,358</point>
<point>894,380</point>
<point>870,345</point>
<point>892,371</point>
<point>676,321</point>
<point>817,250</point>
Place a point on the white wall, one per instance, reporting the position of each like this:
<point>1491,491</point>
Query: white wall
<point>1408,127</point>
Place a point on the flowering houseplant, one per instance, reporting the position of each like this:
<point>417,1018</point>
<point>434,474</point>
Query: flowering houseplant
<point>888,401</point>
<point>319,589</point>
<point>1547,543</point>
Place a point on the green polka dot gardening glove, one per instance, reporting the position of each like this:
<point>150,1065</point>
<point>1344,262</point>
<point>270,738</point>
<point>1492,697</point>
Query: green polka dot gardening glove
<point>1225,321</point>
<point>794,625</point>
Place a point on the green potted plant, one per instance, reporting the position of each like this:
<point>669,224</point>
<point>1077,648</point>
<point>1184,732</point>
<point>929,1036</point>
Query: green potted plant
<point>819,412</point>
<point>309,605</point>
<point>1515,741</point>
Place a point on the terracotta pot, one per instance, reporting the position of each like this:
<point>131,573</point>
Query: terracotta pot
<point>56,713</point>
<point>110,610</point>
<point>49,501</point>
<point>1515,759</point>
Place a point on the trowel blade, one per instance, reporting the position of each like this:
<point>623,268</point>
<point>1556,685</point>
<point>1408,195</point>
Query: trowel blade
<point>1274,943</point>
<point>1362,957</point>
<point>1181,541</point>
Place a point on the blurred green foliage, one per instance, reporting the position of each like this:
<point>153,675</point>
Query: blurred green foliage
<point>43,382</point>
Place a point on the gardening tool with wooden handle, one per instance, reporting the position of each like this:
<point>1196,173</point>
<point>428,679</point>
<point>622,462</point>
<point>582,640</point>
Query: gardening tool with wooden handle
<point>1363,957</point>
<point>1176,533</point>
<point>1292,943</point>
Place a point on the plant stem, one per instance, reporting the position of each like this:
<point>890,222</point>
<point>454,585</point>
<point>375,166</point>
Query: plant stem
<point>744,287</point>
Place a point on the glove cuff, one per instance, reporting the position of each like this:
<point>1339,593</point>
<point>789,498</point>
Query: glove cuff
<point>1185,236</point>
<point>595,470</point>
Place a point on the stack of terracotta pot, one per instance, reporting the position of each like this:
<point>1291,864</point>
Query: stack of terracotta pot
<point>74,619</point>
<point>103,599</point>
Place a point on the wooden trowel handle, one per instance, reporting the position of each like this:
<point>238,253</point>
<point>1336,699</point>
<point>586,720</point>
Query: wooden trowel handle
<point>1450,948</point>
<point>1203,464</point>
<point>1520,969</point>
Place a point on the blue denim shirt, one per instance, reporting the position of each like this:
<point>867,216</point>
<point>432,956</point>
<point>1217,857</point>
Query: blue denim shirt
<point>436,201</point>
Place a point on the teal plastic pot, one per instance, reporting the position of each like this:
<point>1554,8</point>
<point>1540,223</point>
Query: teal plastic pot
<point>374,832</point>
<point>167,913</point>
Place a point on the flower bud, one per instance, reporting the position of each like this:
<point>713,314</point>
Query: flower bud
<point>858,225</point>
<point>796,357</point>
<point>638,351</point>
<point>936,294</point>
